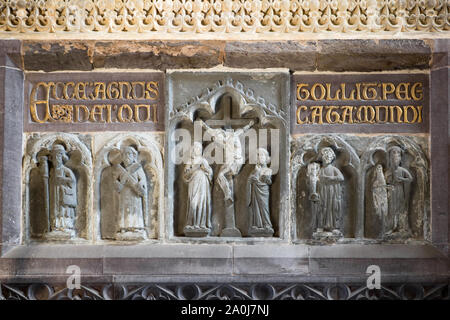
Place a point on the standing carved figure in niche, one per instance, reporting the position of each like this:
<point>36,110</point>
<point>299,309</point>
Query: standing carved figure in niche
<point>327,202</point>
<point>131,184</point>
<point>198,174</point>
<point>62,196</point>
<point>379,196</point>
<point>258,193</point>
<point>397,179</point>
<point>229,140</point>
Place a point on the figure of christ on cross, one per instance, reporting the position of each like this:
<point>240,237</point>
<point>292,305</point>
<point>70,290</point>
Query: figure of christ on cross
<point>229,140</point>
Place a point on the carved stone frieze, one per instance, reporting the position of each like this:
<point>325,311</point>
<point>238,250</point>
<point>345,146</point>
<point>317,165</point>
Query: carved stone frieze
<point>229,16</point>
<point>224,291</point>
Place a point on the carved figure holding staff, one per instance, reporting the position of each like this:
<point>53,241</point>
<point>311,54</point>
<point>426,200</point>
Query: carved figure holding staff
<point>131,184</point>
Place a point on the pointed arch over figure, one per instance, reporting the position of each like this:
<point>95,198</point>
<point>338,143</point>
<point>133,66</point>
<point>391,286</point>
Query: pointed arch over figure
<point>58,169</point>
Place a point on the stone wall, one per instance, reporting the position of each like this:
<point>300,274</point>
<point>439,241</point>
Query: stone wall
<point>280,248</point>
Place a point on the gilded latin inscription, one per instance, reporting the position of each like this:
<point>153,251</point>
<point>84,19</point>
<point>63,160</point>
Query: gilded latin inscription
<point>84,101</point>
<point>395,103</point>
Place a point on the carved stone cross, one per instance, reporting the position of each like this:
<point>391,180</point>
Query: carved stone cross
<point>229,170</point>
<point>227,119</point>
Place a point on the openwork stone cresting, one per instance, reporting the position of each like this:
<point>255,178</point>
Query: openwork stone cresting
<point>227,16</point>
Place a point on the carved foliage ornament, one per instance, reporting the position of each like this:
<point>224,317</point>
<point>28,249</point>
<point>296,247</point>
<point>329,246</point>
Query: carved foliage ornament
<point>226,16</point>
<point>247,101</point>
<point>221,291</point>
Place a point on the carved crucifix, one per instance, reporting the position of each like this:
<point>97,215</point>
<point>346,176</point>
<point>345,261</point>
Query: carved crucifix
<point>229,140</point>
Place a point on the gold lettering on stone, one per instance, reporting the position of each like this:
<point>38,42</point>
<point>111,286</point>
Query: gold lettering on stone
<point>84,101</point>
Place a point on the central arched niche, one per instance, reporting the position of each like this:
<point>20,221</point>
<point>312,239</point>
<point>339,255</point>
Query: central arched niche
<point>228,105</point>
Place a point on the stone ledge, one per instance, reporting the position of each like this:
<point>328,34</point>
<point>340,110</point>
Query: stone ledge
<point>361,55</point>
<point>341,251</point>
<point>397,251</point>
<point>189,260</point>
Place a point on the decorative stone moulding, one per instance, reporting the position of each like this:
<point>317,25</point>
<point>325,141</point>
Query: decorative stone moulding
<point>239,291</point>
<point>227,16</point>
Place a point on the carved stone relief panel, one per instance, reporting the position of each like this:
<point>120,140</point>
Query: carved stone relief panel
<point>57,184</point>
<point>396,176</point>
<point>129,187</point>
<point>324,182</point>
<point>360,187</point>
<point>226,167</point>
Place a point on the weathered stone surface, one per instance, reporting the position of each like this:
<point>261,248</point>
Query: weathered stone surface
<point>160,260</point>
<point>11,100</point>
<point>440,136</point>
<point>47,266</point>
<point>10,53</point>
<point>271,259</point>
<point>441,57</point>
<point>52,259</point>
<point>372,55</point>
<point>57,55</point>
<point>159,55</point>
<point>394,259</point>
<point>294,55</point>
<point>323,55</point>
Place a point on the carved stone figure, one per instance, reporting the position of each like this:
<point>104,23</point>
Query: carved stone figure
<point>397,179</point>
<point>258,192</point>
<point>130,183</point>
<point>198,174</point>
<point>61,198</point>
<point>57,190</point>
<point>327,202</point>
<point>229,139</point>
<point>379,195</point>
<point>129,192</point>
